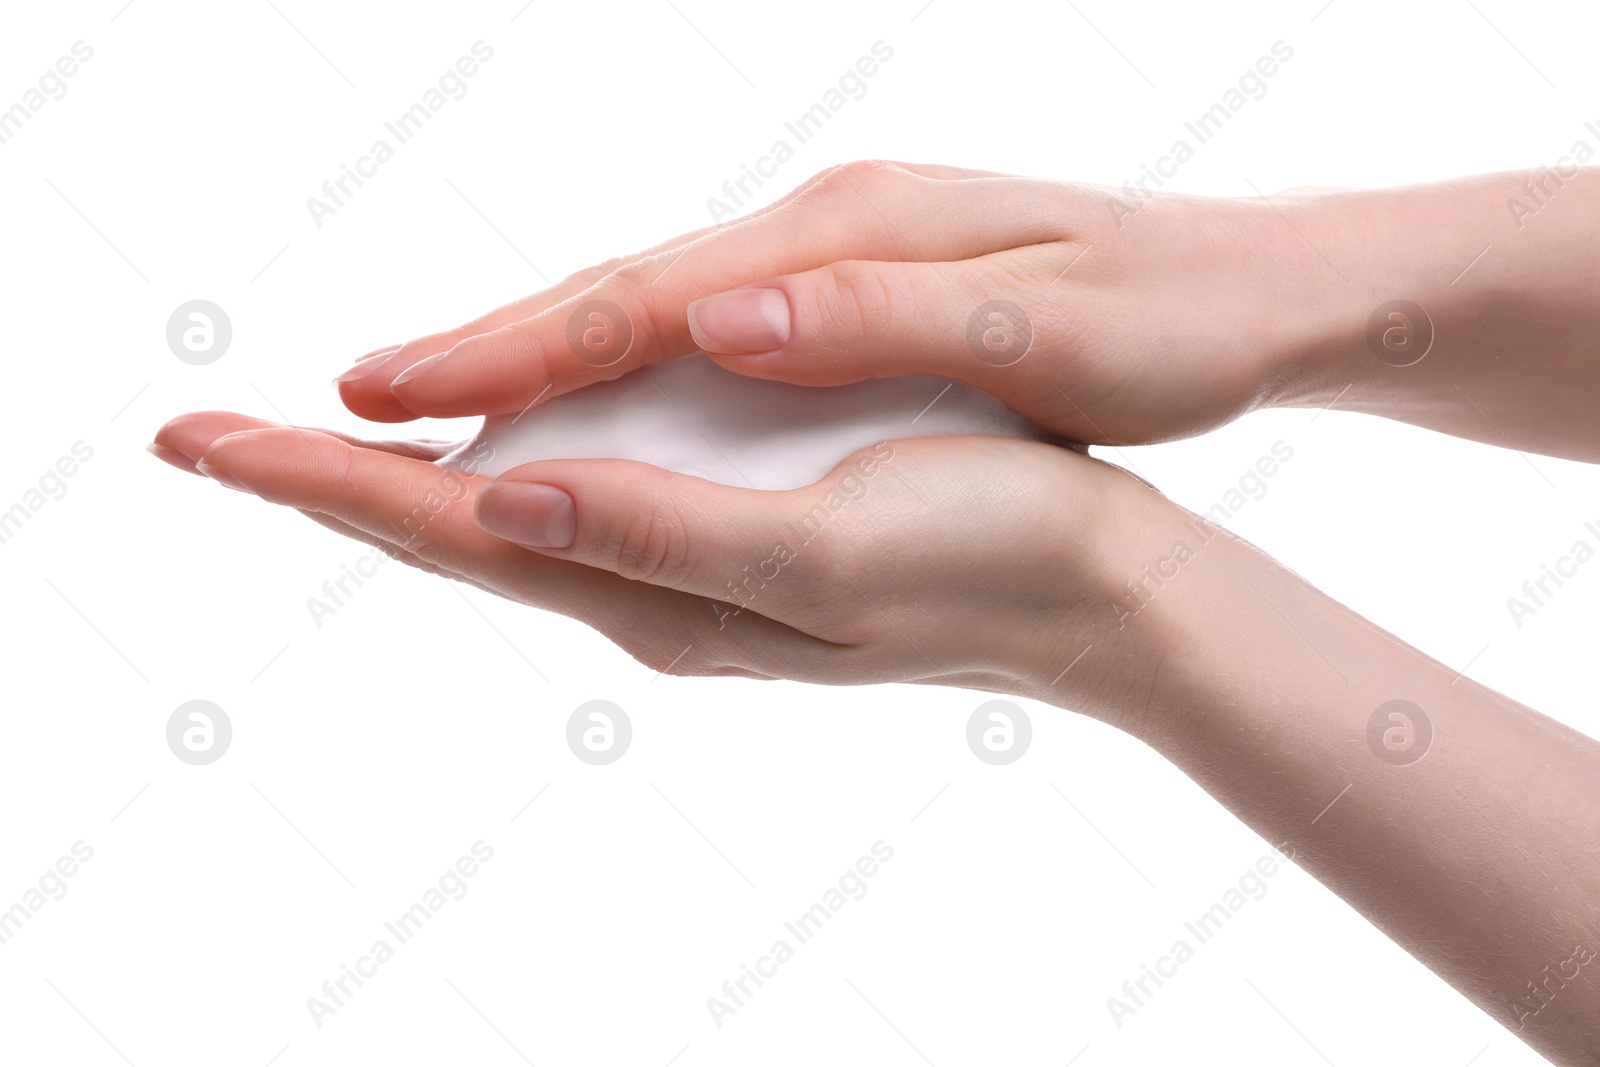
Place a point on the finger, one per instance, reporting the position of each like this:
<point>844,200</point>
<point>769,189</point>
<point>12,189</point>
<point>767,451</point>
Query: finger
<point>671,530</point>
<point>860,319</point>
<point>183,440</point>
<point>427,512</point>
<point>374,401</point>
<point>638,315</point>
<point>364,388</point>
<point>412,352</point>
<point>409,559</point>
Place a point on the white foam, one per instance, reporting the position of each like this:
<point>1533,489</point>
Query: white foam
<point>692,416</point>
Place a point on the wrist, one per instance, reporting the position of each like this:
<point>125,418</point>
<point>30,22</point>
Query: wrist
<point>1405,295</point>
<point>1133,610</point>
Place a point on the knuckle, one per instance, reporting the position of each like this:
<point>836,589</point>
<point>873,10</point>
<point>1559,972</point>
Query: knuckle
<point>589,276</point>
<point>845,180</point>
<point>651,543</point>
<point>861,173</point>
<point>427,531</point>
<point>515,340</point>
<point>629,287</point>
<point>821,178</point>
<point>857,299</point>
<point>666,651</point>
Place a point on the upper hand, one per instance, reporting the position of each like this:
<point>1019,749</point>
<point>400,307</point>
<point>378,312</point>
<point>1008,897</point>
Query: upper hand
<point>1114,328</point>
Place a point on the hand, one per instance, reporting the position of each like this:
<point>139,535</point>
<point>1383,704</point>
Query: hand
<point>855,579</point>
<point>1172,324</point>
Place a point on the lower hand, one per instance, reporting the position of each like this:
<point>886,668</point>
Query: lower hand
<point>977,562</point>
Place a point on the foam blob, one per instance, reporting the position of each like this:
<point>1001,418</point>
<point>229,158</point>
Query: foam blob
<point>691,416</point>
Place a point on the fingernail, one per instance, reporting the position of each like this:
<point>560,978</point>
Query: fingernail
<point>380,352</point>
<point>417,370</point>
<point>741,322</point>
<point>218,476</point>
<point>529,513</point>
<point>171,455</point>
<point>366,365</point>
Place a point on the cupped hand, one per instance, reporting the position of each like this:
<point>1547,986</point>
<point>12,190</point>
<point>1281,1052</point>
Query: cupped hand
<point>979,562</point>
<point>1099,323</point>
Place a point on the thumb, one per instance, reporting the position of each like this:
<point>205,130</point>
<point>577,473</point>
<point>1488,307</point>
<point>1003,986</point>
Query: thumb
<point>860,319</point>
<point>656,526</point>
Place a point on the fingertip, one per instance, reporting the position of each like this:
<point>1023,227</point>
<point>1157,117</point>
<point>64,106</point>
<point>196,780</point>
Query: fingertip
<point>375,404</point>
<point>531,514</point>
<point>489,374</point>
<point>171,456</point>
<point>190,434</point>
<point>741,321</point>
<point>384,351</point>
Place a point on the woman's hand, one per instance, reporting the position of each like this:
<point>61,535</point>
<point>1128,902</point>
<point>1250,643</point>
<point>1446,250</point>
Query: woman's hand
<point>971,561</point>
<point>1106,316</point>
<point>1099,323</point>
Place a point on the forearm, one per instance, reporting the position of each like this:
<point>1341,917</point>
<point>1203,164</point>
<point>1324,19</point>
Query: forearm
<point>1505,272</point>
<point>1474,849</point>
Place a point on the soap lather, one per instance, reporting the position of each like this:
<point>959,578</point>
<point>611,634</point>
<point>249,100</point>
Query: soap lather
<point>692,416</point>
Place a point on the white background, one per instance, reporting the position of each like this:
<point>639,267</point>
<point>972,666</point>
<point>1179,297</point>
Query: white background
<point>370,753</point>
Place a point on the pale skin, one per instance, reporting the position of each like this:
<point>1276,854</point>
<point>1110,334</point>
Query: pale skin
<point>1478,858</point>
